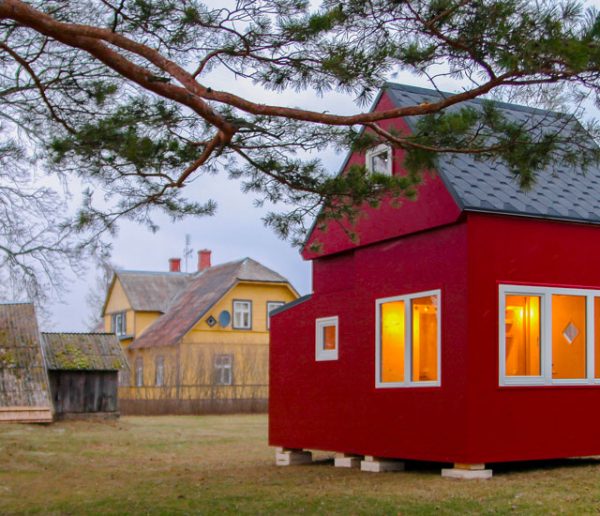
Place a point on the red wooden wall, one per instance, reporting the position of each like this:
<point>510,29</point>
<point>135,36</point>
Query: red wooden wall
<point>434,207</point>
<point>517,423</point>
<point>334,405</point>
<point>424,245</point>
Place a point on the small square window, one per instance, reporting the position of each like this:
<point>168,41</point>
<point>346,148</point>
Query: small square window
<point>242,315</point>
<point>379,160</point>
<point>327,338</point>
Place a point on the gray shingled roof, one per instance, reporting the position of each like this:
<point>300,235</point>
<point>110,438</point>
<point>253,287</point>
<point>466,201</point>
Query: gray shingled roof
<point>476,185</point>
<point>151,291</point>
<point>83,352</point>
<point>23,378</point>
<point>203,290</point>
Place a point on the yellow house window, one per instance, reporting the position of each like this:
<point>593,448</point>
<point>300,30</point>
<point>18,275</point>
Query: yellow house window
<point>223,369</point>
<point>159,371</point>
<point>119,324</point>
<point>242,315</point>
<point>139,372</point>
<point>549,335</point>
<point>408,340</point>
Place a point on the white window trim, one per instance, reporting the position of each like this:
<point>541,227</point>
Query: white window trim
<point>223,368</point>
<point>373,151</point>
<point>139,372</point>
<point>122,317</point>
<point>237,303</point>
<point>545,293</point>
<point>159,371</point>
<point>326,354</point>
<point>408,382</point>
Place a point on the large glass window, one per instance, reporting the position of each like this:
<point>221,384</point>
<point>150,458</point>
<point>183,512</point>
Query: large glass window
<point>424,339</point>
<point>597,337</point>
<point>393,331</point>
<point>549,335</point>
<point>522,320</point>
<point>408,340</point>
<point>568,336</point>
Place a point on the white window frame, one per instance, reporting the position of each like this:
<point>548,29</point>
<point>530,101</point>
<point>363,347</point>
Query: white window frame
<point>545,294</point>
<point>119,323</point>
<point>223,369</point>
<point>322,354</point>
<point>159,371</point>
<point>139,372</point>
<point>374,151</point>
<point>408,382</point>
<point>237,309</point>
<point>272,305</point>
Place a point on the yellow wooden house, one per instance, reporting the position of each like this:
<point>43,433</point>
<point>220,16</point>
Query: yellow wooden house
<point>195,341</point>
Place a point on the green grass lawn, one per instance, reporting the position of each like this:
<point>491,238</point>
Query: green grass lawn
<point>222,464</point>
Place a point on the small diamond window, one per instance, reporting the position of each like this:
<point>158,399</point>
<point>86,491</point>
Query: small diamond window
<point>211,321</point>
<point>570,333</point>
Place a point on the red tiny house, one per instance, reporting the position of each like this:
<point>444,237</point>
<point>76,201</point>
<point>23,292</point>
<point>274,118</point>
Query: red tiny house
<point>474,250</point>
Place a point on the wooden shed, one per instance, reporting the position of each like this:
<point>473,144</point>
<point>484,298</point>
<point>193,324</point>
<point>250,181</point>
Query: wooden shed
<point>462,327</point>
<point>83,369</point>
<point>24,393</point>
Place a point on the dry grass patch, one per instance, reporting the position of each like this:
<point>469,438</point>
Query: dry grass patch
<point>222,464</point>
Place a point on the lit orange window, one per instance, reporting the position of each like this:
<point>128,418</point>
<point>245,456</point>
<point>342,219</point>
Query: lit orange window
<point>597,334</point>
<point>392,341</point>
<point>568,336</point>
<point>424,339</point>
<point>326,338</point>
<point>408,345</point>
<point>522,319</point>
<point>329,340</point>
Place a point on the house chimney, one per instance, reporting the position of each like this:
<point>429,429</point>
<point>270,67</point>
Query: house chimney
<point>203,259</point>
<point>174,264</point>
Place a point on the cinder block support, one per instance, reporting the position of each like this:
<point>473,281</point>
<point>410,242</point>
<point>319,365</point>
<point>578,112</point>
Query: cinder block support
<point>378,465</point>
<point>467,472</point>
<point>346,460</point>
<point>292,457</point>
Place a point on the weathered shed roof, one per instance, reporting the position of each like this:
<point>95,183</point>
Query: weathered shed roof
<point>23,378</point>
<point>83,351</point>
<point>202,292</point>
<point>151,291</point>
<point>562,192</point>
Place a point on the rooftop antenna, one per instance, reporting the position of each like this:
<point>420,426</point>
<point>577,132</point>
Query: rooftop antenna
<point>187,251</point>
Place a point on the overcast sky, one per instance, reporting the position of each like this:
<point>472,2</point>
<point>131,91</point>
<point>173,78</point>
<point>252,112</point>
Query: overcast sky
<point>236,231</point>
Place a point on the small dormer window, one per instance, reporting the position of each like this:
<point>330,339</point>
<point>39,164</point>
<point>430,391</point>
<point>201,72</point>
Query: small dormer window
<point>379,160</point>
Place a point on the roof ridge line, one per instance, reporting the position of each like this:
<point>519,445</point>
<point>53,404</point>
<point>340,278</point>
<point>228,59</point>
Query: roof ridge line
<point>480,100</point>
